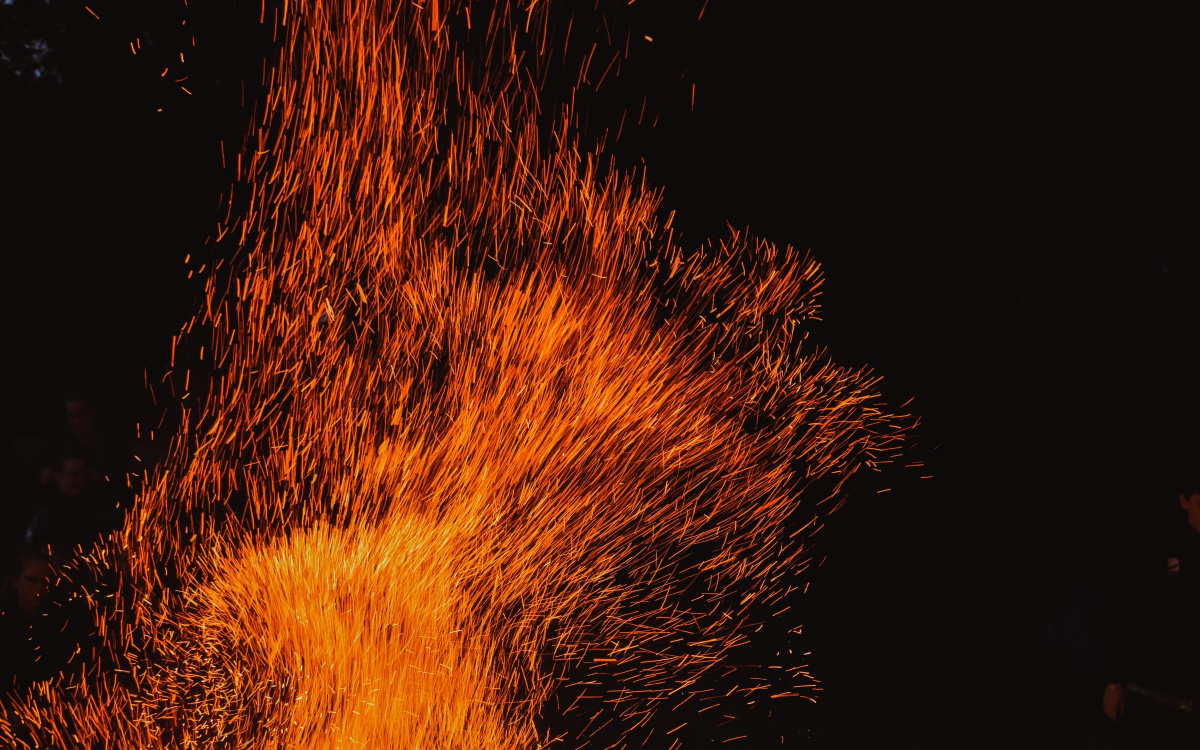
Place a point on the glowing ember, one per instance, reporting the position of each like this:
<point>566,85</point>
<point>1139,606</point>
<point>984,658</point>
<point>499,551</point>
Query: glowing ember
<point>474,423</point>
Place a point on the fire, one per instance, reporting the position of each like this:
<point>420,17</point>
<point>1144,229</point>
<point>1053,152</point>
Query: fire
<point>470,422</point>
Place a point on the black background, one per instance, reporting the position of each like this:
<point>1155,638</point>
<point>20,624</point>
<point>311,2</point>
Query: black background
<point>998,201</point>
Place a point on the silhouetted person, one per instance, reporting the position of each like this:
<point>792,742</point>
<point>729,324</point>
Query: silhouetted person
<point>74,511</point>
<point>34,641</point>
<point>85,433</point>
<point>46,633</point>
<point>1149,643</point>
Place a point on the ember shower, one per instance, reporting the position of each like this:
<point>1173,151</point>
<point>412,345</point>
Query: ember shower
<point>474,423</point>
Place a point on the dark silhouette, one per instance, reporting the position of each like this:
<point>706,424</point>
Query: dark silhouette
<point>1149,637</point>
<point>74,511</point>
<point>86,433</point>
<point>38,638</point>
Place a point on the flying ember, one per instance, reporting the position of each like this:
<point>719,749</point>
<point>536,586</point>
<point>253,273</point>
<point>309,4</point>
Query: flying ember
<point>472,430</point>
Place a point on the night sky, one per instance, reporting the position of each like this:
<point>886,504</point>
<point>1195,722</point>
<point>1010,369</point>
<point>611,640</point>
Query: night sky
<point>998,202</point>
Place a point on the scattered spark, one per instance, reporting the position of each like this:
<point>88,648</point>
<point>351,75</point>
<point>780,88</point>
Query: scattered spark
<point>474,425</point>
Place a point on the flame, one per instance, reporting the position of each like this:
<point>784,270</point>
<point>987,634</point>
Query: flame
<point>472,422</point>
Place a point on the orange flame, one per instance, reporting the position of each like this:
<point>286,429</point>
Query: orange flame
<point>474,422</point>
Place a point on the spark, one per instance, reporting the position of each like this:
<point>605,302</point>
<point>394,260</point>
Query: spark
<point>474,425</point>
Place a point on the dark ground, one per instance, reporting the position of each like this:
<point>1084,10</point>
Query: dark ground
<point>997,200</point>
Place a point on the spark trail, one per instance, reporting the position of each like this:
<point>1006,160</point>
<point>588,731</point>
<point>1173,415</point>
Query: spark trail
<point>473,422</point>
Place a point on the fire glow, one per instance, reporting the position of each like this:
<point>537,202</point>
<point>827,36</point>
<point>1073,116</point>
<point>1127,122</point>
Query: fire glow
<point>474,423</point>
